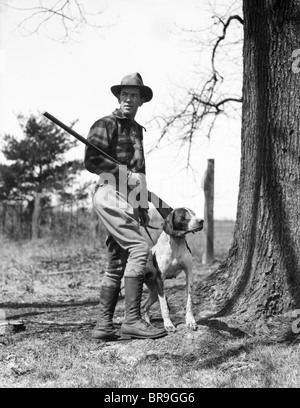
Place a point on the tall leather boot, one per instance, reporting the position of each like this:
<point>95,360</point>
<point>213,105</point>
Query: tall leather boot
<point>134,327</point>
<point>104,329</point>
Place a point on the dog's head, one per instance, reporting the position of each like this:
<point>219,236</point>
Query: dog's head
<point>182,221</point>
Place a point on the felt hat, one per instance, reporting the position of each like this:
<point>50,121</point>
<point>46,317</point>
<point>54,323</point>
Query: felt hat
<point>134,80</point>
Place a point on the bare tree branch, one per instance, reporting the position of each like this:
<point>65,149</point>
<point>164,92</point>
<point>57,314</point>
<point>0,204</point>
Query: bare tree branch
<point>217,105</point>
<point>222,37</point>
<point>72,16</point>
<point>203,107</point>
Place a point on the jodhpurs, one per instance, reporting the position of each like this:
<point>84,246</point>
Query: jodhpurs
<point>127,249</point>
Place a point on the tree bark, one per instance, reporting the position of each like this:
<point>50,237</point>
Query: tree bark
<point>264,260</point>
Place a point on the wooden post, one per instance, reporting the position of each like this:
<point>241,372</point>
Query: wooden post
<point>208,187</point>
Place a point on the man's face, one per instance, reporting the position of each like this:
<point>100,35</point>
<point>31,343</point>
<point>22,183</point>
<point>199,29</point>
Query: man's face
<point>130,100</point>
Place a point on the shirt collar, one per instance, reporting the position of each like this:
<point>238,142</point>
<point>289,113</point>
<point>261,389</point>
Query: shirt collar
<point>120,115</point>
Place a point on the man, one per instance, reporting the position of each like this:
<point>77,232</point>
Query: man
<point>120,199</point>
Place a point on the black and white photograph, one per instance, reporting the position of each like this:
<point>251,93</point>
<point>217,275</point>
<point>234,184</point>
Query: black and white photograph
<point>149,197</point>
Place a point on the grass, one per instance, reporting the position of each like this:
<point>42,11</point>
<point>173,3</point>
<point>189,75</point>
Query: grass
<point>56,350</point>
<point>72,360</point>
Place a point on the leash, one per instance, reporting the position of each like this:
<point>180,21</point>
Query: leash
<point>148,233</point>
<point>155,228</point>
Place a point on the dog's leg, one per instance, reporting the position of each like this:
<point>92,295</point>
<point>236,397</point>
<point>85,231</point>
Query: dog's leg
<point>164,306</point>
<point>189,317</point>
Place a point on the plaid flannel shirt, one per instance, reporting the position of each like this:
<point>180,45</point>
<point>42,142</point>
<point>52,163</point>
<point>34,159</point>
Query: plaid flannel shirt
<point>121,138</point>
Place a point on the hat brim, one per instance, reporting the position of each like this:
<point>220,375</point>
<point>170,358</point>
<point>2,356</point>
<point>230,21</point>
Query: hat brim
<point>146,91</point>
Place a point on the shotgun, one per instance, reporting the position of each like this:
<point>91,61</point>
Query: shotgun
<point>163,208</point>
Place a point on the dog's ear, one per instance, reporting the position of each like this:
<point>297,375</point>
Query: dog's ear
<point>168,224</point>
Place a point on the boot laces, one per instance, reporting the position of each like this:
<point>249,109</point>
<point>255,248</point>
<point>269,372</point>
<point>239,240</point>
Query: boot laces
<point>146,324</point>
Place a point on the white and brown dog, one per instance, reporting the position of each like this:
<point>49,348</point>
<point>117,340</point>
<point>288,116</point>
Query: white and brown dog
<point>168,257</point>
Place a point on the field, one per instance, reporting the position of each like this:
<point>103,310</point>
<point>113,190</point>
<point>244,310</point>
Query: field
<point>51,286</point>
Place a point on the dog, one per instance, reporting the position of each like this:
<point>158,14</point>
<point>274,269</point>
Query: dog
<point>168,257</point>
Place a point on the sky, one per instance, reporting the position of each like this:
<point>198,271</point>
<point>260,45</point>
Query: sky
<point>72,80</point>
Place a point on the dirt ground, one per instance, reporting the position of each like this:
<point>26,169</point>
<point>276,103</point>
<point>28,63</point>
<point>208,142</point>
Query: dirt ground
<point>51,296</point>
<point>51,310</point>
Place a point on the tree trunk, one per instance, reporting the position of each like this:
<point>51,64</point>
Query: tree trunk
<point>36,216</point>
<point>209,187</point>
<point>3,206</point>
<point>264,260</point>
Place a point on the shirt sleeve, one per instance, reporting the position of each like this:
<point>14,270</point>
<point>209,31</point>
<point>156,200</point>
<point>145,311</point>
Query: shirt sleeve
<point>100,135</point>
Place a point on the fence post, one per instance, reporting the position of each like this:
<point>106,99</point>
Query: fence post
<point>208,187</point>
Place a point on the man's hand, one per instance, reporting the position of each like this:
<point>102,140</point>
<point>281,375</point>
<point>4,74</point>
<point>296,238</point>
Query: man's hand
<point>144,217</point>
<point>134,179</point>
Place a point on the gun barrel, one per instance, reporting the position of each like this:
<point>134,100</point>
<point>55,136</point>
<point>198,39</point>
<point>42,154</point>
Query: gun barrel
<point>163,208</point>
<point>78,136</point>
